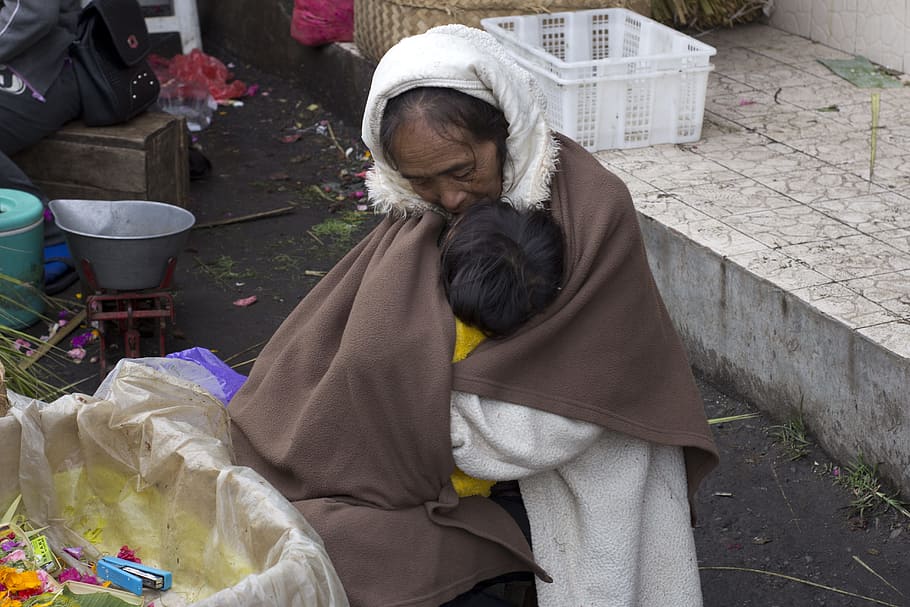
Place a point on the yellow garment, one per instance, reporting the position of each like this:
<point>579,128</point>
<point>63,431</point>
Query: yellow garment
<point>466,339</point>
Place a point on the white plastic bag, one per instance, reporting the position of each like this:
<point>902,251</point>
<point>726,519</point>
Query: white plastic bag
<point>145,462</point>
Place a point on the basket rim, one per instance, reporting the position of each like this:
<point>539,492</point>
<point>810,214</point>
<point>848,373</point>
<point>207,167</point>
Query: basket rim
<point>508,39</point>
<point>457,6</point>
<point>552,77</point>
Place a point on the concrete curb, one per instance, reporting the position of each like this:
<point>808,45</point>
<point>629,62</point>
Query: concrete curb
<point>790,359</point>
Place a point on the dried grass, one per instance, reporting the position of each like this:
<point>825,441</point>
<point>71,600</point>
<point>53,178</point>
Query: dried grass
<point>18,371</point>
<point>800,581</point>
<point>706,14</point>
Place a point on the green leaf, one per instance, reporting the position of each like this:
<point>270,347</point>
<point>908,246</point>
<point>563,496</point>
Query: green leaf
<point>89,595</point>
<point>11,511</point>
<point>862,73</point>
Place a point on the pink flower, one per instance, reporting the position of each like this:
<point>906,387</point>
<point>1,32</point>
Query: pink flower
<point>48,584</point>
<point>24,346</point>
<point>76,354</point>
<point>72,574</point>
<point>69,575</point>
<point>128,554</point>
<point>15,555</point>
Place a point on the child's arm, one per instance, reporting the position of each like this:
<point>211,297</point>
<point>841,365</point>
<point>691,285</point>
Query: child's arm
<point>496,440</point>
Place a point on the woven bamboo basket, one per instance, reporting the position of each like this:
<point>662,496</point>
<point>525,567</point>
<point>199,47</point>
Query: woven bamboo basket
<point>379,24</point>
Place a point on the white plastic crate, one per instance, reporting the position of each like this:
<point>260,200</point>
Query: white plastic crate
<point>613,79</point>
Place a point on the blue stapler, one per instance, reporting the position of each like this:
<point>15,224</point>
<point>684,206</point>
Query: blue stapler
<point>132,576</point>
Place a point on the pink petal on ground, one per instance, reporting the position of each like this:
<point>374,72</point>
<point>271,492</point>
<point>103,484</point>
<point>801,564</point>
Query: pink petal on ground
<point>23,346</point>
<point>246,301</point>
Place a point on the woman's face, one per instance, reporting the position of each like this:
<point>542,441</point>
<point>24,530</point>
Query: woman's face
<point>453,170</point>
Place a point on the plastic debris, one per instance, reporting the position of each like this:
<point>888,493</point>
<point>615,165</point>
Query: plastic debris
<point>194,84</point>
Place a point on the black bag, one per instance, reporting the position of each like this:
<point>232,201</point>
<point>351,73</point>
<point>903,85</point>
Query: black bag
<point>109,54</point>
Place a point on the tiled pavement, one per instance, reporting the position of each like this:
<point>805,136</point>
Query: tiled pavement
<point>784,258</point>
<point>780,181</point>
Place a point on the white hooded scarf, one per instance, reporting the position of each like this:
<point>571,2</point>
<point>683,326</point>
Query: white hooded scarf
<point>473,62</point>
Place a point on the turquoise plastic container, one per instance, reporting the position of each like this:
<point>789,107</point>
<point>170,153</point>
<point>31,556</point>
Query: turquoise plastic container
<point>21,258</point>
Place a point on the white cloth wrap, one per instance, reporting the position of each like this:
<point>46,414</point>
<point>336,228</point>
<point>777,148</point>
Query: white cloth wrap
<point>609,513</point>
<point>146,462</point>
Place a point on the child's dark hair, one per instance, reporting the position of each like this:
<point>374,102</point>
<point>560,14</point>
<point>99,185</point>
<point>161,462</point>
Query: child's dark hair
<point>501,266</point>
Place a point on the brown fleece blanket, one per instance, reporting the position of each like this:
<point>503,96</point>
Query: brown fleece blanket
<point>346,410</point>
<point>606,352</point>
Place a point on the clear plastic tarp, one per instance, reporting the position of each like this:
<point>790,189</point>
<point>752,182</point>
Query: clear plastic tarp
<point>146,462</point>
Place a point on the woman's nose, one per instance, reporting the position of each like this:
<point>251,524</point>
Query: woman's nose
<point>452,199</point>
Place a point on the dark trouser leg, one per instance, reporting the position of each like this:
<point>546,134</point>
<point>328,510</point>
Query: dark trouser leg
<point>477,598</point>
<point>25,120</point>
<point>485,594</point>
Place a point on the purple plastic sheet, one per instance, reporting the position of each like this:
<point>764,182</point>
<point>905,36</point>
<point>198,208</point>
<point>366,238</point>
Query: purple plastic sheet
<point>229,380</point>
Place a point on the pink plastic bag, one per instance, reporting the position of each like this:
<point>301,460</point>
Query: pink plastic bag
<point>200,68</point>
<point>317,22</point>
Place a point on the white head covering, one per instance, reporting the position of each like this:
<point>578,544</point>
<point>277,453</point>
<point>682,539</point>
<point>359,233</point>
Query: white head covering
<point>473,62</point>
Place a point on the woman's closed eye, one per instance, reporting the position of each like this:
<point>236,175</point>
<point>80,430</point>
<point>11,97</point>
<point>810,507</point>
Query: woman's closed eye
<point>464,174</point>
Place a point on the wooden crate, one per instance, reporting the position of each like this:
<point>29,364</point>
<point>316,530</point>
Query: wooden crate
<point>144,159</point>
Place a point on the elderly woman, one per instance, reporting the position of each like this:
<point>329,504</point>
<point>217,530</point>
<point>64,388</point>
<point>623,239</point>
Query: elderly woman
<point>355,412</point>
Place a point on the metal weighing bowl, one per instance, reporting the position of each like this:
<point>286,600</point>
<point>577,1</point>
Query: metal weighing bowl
<point>127,242</point>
